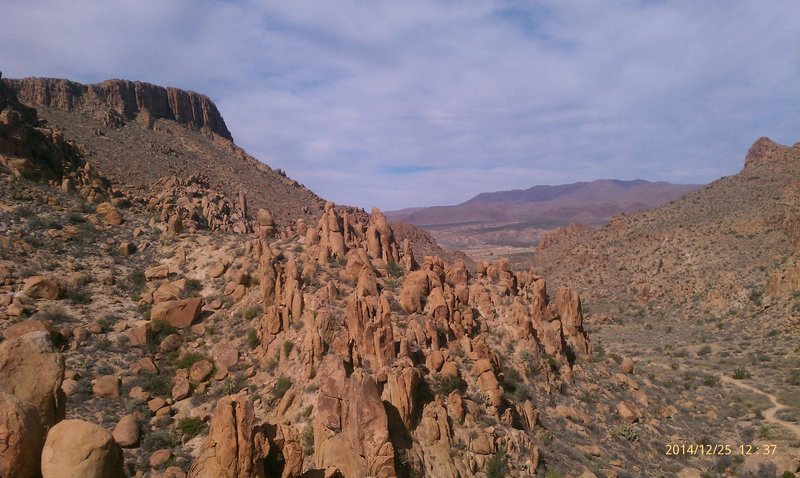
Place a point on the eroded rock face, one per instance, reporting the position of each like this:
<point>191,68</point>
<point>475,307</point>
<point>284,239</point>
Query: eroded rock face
<point>32,370</point>
<point>235,447</point>
<point>350,427</point>
<point>79,448</point>
<point>22,437</point>
<point>130,99</point>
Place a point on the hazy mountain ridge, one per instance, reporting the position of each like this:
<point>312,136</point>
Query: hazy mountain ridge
<point>593,202</point>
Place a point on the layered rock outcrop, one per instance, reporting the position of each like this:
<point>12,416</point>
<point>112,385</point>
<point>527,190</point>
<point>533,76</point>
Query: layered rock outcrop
<point>123,100</point>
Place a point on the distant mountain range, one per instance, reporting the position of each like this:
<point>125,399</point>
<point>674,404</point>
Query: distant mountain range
<point>587,202</point>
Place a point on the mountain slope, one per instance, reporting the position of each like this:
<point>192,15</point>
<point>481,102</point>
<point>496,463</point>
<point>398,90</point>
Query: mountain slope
<point>592,202</point>
<point>136,133</point>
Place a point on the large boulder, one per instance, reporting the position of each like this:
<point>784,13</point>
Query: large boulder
<point>41,287</point>
<point>21,438</point>
<point>235,447</point>
<point>179,313</point>
<point>351,426</point>
<point>79,448</point>
<point>31,370</point>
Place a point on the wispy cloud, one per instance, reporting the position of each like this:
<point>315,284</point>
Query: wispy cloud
<point>412,103</point>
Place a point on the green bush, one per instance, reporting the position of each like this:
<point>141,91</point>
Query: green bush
<point>252,339</point>
<point>187,360</point>
<point>287,348</point>
<point>496,466</point>
<point>190,427</point>
<point>446,385</point>
<point>394,269</point>
<point>281,387</point>
<point>251,313</point>
<point>741,374</point>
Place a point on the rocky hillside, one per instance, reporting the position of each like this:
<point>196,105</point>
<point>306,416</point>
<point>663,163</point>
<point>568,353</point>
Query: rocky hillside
<point>707,284</point>
<point>161,333</point>
<point>136,133</point>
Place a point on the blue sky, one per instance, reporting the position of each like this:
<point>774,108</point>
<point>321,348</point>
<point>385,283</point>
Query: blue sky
<point>414,103</point>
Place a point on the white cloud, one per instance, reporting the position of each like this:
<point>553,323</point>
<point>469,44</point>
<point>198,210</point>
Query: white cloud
<point>493,95</point>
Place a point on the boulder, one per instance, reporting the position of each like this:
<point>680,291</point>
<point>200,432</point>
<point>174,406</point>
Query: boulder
<point>126,433</point>
<point>106,386</point>
<point>31,370</point>
<point>235,447</point>
<point>179,313</point>
<point>79,448</point>
<point>109,213</point>
<point>22,438</point>
<point>41,287</point>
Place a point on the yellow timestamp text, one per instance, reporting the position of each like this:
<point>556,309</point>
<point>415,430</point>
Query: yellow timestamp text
<point>676,449</point>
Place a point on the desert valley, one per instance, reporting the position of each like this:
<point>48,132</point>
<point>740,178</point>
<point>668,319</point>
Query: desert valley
<point>172,307</point>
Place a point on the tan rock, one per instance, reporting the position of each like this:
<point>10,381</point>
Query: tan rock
<point>235,447</point>
<point>159,458</point>
<point>157,272</point>
<point>179,313</point>
<point>628,411</point>
<point>79,448</point>
<point>21,438</point>
<point>41,287</point>
<point>109,213</point>
<point>27,326</point>
<point>106,386</point>
<point>31,370</point>
<point>126,248</point>
<point>126,433</point>
<point>225,353</point>
<point>351,427</point>
<point>200,370</point>
<point>182,389</point>
<point>627,365</point>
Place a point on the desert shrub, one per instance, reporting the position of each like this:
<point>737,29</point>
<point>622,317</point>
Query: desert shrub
<point>193,287</point>
<point>704,350</point>
<point>755,296</point>
<point>252,339</point>
<point>136,279</point>
<point>628,431</point>
<point>496,466</point>
<point>190,427</point>
<point>741,374</point>
<point>157,385</point>
<point>103,344</point>
<point>281,387</point>
<point>55,315</point>
<point>394,269</point>
<point>287,348</point>
<point>794,377</point>
<point>187,360</point>
<point>78,296</point>
<point>307,439</point>
<point>445,385</point>
<point>159,439</point>
<point>251,313</point>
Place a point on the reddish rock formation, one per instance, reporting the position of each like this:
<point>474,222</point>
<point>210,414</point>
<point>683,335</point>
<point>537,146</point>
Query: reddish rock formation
<point>235,447</point>
<point>131,100</point>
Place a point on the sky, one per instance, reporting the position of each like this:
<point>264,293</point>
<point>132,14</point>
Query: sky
<point>416,103</point>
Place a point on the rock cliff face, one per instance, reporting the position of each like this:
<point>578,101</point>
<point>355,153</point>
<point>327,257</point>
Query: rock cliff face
<point>127,100</point>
